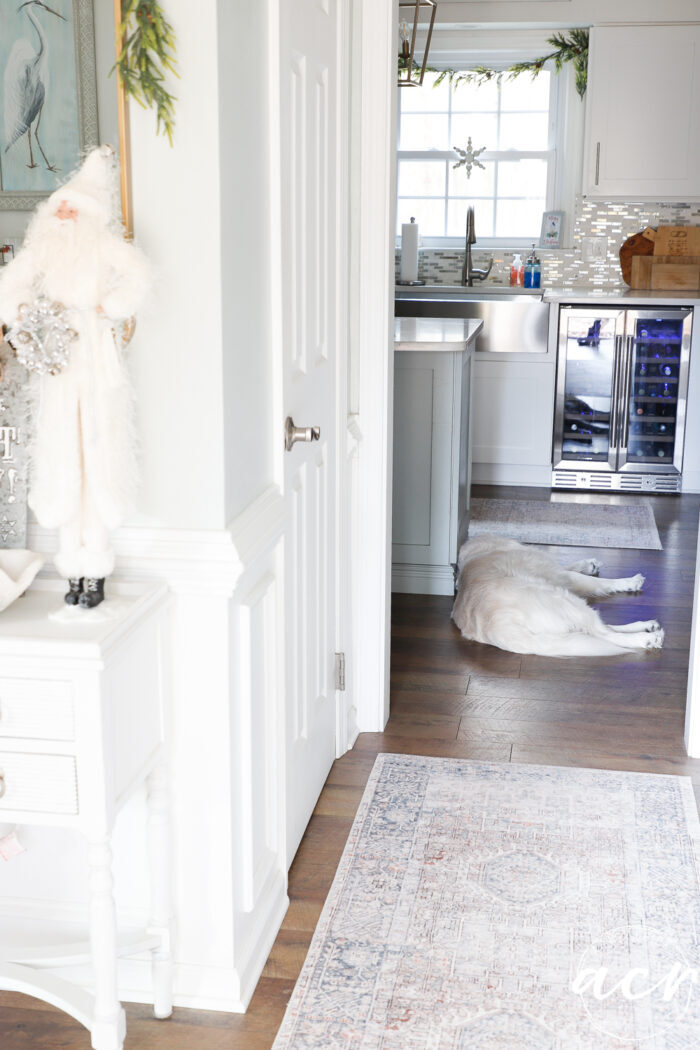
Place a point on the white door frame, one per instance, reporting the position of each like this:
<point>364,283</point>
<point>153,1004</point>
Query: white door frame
<point>371,375</point>
<point>371,371</point>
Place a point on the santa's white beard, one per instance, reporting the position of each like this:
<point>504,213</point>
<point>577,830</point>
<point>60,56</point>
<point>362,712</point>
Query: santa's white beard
<point>66,252</point>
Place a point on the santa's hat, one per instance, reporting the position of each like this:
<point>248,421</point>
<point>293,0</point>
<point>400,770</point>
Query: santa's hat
<point>93,189</point>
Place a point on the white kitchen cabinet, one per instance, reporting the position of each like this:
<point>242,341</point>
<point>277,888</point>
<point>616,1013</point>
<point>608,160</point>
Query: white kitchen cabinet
<point>512,426</point>
<point>643,113</point>
<point>430,497</point>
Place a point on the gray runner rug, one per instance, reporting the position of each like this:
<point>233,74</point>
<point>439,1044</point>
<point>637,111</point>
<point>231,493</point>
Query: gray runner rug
<point>493,906</point>
<point>566,524</point>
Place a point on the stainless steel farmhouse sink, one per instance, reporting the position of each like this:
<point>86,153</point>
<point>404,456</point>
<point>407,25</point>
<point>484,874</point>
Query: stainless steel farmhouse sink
<point>514,321</point>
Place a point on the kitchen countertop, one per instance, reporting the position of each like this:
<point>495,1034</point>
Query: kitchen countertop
<point>626,295</point>
<point>435,333</point>
<point>550,295</point>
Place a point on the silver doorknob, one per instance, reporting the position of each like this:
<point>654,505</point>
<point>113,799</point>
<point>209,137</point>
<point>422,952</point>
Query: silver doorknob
<point>292,433</point>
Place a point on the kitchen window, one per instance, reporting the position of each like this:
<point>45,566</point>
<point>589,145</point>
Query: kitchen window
<point>517,125</point>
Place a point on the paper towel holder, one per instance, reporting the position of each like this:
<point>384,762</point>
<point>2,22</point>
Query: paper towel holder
<point>411,284</point>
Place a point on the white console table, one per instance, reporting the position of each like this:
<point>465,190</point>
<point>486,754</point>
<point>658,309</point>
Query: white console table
<point>81,727</point>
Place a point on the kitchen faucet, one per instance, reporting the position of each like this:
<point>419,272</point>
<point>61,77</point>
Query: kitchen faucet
<point>469,272</point>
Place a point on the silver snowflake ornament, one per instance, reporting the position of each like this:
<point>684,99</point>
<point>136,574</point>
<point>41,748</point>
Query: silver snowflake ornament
<point>468,157</point>
<point>42,337</point>
<point>7,528</point>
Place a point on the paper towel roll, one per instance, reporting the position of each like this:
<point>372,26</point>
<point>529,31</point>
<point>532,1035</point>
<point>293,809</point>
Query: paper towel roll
<point>409,251</point>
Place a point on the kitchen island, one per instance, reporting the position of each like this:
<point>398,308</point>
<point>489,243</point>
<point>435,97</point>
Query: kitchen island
<point>432,449</point>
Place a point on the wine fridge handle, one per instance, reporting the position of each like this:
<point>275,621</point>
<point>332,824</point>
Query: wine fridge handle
<point>614,402</point>
<point>625,391</point>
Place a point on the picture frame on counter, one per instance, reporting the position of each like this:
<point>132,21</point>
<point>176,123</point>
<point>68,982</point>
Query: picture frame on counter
<point>550,234</point>
<point>57,50</point>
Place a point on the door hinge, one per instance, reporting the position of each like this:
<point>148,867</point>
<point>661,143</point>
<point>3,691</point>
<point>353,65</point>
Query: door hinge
<point>340,671</point>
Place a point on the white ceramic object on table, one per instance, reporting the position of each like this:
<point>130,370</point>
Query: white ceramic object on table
<point>17,570</point>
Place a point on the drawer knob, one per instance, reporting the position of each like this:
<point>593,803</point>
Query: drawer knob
<point>3,785</point>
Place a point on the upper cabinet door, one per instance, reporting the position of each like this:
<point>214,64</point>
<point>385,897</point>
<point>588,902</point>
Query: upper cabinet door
<point>643,113</point>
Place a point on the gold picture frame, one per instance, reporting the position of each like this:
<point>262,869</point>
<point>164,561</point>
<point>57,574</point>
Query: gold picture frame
<point>124,131</point>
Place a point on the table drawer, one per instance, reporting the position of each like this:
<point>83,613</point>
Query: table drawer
<point>36,709</point>
<point>38,783</point>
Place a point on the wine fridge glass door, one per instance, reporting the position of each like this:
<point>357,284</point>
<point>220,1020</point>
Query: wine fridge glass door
<point>654,390</point>
<point>590,344</point>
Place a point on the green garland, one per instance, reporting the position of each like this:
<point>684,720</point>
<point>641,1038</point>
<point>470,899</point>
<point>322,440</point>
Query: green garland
<point>148,51</point>
<point>568,48</point>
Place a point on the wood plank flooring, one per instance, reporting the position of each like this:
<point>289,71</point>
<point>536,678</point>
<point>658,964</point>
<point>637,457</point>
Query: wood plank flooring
<point>458,699</point>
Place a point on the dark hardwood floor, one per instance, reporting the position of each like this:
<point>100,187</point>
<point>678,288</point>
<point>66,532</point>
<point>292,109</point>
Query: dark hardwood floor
<point>454,698</point>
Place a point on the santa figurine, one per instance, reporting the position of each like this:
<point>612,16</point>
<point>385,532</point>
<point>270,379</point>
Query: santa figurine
<point>66,299</point>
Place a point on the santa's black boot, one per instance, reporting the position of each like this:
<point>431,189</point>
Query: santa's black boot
<point>93,594</point>
<point>72,596</point>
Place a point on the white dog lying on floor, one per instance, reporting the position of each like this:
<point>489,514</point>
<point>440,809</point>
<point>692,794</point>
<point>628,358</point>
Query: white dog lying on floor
<point>514,597</point>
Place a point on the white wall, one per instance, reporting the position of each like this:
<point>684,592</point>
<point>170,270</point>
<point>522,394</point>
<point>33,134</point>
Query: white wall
<point>177,351</point>
<point>246,279</point>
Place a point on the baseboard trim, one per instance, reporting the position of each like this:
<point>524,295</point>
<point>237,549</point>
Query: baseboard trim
<point>512,474</point>
<point>194,987</point>
<point>263,938</point>
<point>422,579</point>
<point>228,989</point>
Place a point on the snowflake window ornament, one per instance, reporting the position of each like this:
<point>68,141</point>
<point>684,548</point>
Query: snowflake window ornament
<point>468,157</point>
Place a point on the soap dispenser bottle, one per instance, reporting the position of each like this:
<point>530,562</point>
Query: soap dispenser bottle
<point>532,270</point>
<point>516,271</point>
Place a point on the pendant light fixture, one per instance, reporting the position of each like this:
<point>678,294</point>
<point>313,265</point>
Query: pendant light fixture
<point>410,76</point>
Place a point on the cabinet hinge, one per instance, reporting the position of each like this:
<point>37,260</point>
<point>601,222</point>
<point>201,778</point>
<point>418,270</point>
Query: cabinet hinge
<point>340,671</point>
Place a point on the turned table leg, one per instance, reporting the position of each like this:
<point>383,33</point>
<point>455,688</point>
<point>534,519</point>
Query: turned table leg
<point>108,1028</point>
<point>161,889</point>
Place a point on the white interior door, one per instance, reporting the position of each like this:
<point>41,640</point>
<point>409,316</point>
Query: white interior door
<point>310,34</point>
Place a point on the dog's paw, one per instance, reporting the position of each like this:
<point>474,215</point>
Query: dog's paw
<point>655,639</point>
<point>593,567</point>
<point>652,625</point>
<point>636,583</point>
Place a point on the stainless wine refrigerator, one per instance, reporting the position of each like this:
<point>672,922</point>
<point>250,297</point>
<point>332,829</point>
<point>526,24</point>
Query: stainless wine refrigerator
<point>622,385</point>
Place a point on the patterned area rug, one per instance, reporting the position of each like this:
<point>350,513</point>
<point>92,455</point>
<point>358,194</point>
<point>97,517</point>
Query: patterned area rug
<point>476,906</point>
<point>566,524</point>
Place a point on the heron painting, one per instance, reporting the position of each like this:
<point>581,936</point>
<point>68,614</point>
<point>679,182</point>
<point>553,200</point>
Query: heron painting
<point>41,136</point>
<point>25,81</point>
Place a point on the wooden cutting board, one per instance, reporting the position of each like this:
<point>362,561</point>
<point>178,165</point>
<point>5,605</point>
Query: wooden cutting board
<point>666,271</point>
<point>641,243</point>
<point>677,240</point>
<point>668,276</point>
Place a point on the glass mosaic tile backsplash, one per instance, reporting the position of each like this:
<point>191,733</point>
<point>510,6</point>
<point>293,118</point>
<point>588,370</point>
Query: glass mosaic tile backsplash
<point>613,220</point>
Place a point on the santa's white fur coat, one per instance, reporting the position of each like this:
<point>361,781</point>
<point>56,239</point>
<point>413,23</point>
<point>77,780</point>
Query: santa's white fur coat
<point>83,428</point>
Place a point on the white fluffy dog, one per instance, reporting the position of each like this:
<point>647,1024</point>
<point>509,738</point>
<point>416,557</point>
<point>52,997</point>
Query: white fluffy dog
<point>519,599</point>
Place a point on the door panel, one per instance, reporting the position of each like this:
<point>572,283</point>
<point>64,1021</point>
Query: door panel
<point>309,35</point>
<point>587,387</point>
